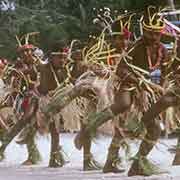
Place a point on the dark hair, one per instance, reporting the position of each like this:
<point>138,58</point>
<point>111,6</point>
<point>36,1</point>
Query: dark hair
<point>58,46</point>
<point>116,26</point>
<point>55,47</point>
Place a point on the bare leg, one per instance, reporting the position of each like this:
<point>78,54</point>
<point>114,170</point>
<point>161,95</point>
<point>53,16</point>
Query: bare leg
<point>113,154</point>
<point>26,119</point>
<point>33,153</point>
<point>95,120</point>
<point>153,133</point>
<point>89,163</point>
<point>56,156</point>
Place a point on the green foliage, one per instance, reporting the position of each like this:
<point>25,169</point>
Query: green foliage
<point>55,20</point>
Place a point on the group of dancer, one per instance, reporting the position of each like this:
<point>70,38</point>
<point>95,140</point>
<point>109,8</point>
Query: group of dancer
<point>84,85</point>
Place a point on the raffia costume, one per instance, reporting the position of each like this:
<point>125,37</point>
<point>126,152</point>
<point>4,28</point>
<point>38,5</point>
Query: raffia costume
<point>131,86</point>
<point>88,80</point>
<point>169,99</point>
<point>31,125</point>
<point>73,114</point>
<point>23,77</point>
<point>128,81</point>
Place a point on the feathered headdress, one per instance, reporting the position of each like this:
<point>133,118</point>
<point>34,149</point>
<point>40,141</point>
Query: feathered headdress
<point>26,45</point>
<point>116,25</point>
<point>121,26</point>
<point>152,21</point>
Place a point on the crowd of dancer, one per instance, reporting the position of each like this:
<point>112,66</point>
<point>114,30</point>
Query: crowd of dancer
<point>81,86</point>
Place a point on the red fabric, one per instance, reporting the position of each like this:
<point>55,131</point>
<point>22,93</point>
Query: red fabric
<point>127,33</point>
<point>25,103</point>
<point>66,50</point>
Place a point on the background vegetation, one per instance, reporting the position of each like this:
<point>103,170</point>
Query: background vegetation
<point>55,19</point>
